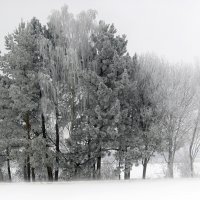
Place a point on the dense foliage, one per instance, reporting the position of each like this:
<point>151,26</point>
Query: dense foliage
<point>72,97</point>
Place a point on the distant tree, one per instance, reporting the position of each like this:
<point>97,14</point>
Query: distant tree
<point>194,137</point>
<point>146,112</point>
<point>176,106</point>
<point>194,145</point>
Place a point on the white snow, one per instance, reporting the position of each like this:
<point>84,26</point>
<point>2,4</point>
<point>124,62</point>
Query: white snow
<point>157,189</point>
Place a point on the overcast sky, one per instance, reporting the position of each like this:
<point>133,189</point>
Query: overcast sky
<point>169,28</point>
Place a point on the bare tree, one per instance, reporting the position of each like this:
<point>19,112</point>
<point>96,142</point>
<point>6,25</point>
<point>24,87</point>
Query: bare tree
<point>173,93</point>
<point>194,146</point>
<point>176,108</point>
<point>150,77</point>
<point>194,142</point>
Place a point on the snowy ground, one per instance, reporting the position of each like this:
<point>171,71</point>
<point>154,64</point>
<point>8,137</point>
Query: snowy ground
<point>155,187</point>
<point>162,189</point>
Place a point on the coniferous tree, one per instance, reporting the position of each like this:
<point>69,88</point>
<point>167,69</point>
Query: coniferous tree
<point>24,63</point>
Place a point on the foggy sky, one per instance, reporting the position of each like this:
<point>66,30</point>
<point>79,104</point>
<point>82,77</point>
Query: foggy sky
<point>169,28</point>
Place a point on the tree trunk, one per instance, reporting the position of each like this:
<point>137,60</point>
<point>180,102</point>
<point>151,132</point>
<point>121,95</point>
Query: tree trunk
<point>99,167</point>
<point>119,166</point>
<point>170,164</point>
<point>28,169</point>
<point>25,171</point>
<point>98,172</point>
<point>8,165</point>
<point>77,171</point>
<point>127,170</point>
<point>57,145</point>
<point>191,167</point>
<point>33,174</point>
<point>89,165</point>
<point>1,175</point>
<point>93,170</point>
<point>145,162</point>
<point>121,156</point>
<point>50,173</point>
<point>191,155</point>
<point>49,169</point>
<point>28,128</point>
<point>170,161</point>
<point>170,171</point>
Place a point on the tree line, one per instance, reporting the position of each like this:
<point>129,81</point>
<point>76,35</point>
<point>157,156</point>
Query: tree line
<point>72,95</point>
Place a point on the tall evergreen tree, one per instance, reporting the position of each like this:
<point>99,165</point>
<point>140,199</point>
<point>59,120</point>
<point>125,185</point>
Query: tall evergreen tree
<point>24,64</point>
